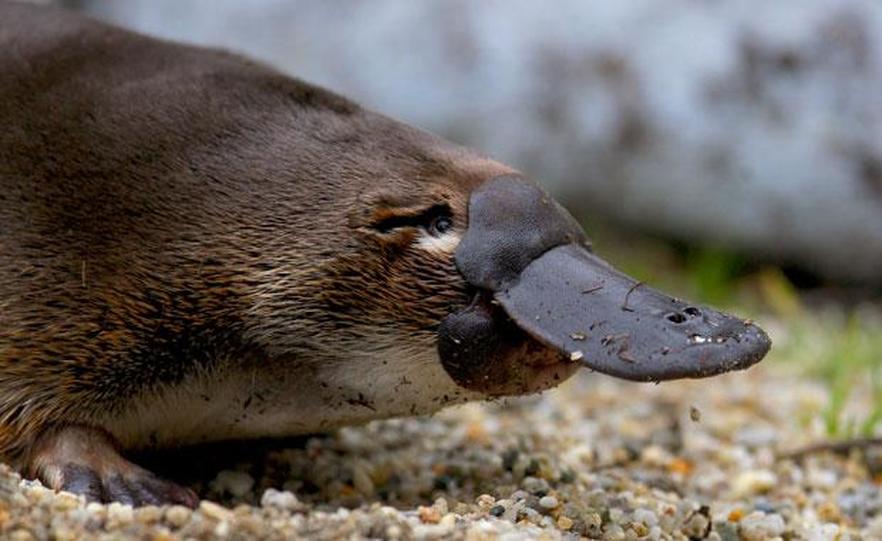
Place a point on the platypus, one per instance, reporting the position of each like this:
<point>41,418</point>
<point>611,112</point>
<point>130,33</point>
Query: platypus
<point>195,247</point>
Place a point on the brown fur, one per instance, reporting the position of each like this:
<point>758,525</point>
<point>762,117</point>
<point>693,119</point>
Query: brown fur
<point>166,208</point>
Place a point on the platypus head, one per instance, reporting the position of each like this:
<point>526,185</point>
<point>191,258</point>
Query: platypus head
<point>464,279</point>
<point>541,297</point>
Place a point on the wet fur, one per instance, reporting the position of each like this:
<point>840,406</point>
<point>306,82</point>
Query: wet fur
<point>170,215</point>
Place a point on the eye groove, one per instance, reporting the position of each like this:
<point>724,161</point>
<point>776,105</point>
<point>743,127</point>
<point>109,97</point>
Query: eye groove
<point>436,220</point>
<point>439,225</point>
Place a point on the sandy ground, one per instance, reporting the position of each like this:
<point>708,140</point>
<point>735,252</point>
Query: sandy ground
<point>596,458</point>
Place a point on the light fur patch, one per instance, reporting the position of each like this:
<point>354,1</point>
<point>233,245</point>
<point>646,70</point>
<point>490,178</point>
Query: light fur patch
<point>445,244</point>
<point>292,398</point>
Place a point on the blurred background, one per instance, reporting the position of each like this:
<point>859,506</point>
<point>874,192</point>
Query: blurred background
<point>729,150</point>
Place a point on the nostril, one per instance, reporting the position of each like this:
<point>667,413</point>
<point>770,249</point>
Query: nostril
<point>676,317</point>
<point>692,311</point>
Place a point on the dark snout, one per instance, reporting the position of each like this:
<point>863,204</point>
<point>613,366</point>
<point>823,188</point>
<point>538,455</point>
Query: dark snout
<point>531,259</point>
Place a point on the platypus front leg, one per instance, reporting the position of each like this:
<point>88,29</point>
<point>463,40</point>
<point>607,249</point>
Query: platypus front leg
<point>85,461</point>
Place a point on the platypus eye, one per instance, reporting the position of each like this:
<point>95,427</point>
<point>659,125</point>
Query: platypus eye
<point>435,220</point>
<point>439,225</point>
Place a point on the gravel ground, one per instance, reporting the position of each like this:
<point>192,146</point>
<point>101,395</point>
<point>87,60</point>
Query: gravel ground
<point>597,458</point>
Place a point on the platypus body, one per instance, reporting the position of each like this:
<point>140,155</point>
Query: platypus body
<point>195,247</point>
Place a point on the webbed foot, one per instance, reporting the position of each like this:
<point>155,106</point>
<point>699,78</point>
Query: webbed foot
<point>85,461</point>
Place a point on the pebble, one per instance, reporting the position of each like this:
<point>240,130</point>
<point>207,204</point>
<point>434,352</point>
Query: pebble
<point>148,514</point>
<point>485,501</point>
<point>696,526</point>
<point>215,511</point>
<point>593,521</point>
<point>534,485</point>
<point>564,522</point>
<point>65,501</point>
<point>429,515</point>
<point>824,532</point>
<point>578,462</point>
<point>654,455</point>
<point>177,515</point>
<point>119,515</point>
<point>637,529</point>
<point>645,516</point>
<point>448,520</point>
<point>726,531</point>
<point>235,483</point>
<point>756,435</point>
<point>96,509</point>
<point>614,533</point>
<point>753,482</point>
<point>434,531</point>
<point>362,479</point>
<point>829,512</point>
<point>222,530</point>
<point>758,526</point>
<point>548,502</point>
<point>20,534</point>
<point>281,499</point>
<point>823,479</point>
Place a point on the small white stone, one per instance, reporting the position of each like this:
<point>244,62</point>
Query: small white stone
<point>222,530</point>
<point>21,535</point>
<point>614,533</point>
<point>119,515</point>
<point>62,532</point>
<point>754,482</point>
<point>485,501</point>
<point>874,528</point>
<point>757,435</point>
<point>448,521</point>
<point>616,515</point>
<point>65,501</point>
<point>362,480</point>
<point>233,482</point>
<point>696,526</point>
<point>431,531</point>
<point>576,356</point>
<point>758,526</point>
<point>96,509</point>
<point>215,511</point>
<point>822,479</point>
<point>655,455</point>
<point>177,515</point>
<point>279,499</point>
<point>646,517</point>
<point>148,514</point>
<point>548,502</point>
